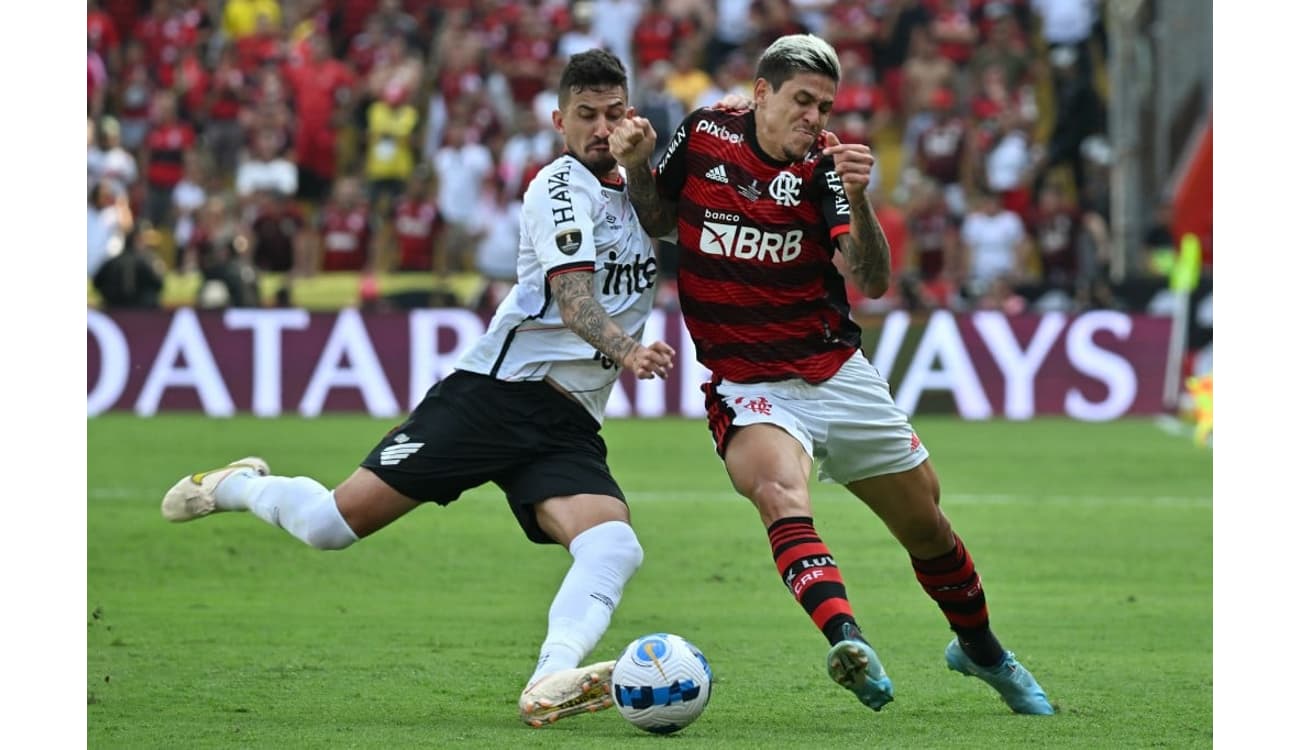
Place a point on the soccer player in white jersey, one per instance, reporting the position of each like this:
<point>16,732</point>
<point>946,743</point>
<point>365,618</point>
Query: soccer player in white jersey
<point>523,408</point>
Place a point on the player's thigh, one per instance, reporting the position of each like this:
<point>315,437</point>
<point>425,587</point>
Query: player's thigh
<point>368,503</point>
<point>770,467</point>
<point>908,503</point>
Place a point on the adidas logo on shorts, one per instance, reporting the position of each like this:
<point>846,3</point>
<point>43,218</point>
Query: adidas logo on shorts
<point>717,174</point>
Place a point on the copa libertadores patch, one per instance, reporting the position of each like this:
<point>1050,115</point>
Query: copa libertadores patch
<point>569,241</point>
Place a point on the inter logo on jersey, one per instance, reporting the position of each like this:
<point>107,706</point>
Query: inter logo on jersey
<point>569,241</point>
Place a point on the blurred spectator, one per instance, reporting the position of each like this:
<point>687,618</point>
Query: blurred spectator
<point>395,21</point>
<point>925,72</point>
<point>277,228</point>
<point>96,83</point>
<point>581,36</point>
<point>496,229</point>
<point>323,94</point>
<point>1056,228</point>
<point>731,28</point>
<point>656,35</point>
<point>188,197</point>
<point>859,95</point>
<point>687,80</point>
<point>239,19</point>
<point>396,65</point>
<point>994,247</point>
<point>94,154</point>
<point>813,15</point>
<point>134,277</point>
<point>164,158</point>
<point>1079,115</point>
<point>532,145</point>
<point>771,20</point>
<point>462,168</point>
<point>613,22</point>
<point>954,30</point>
<point>1067,25</point>
<point>102,36</point>
<point>108,220</point>
<point>265,169</point>
<point>1006,47</point>
<point>894,37</point>
<point>134,96</point>
<point>1008,164</point>
<point>118,164</point>
<point>390,146</point>
<point>345,229</point>
<point>416,225</point>
<point>524,58</point>
<point>852,29</point>
<point>653,102</point>
<point>944,151</point>
<point>734,76</point>
<point>229,279</point>
<point>222,132</point>
<point>934,253</point>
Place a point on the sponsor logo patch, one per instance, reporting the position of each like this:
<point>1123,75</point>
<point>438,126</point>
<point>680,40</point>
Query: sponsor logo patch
<point>569,241</point>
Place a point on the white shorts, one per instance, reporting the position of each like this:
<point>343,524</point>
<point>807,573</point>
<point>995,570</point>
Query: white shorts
<point>849,423</point>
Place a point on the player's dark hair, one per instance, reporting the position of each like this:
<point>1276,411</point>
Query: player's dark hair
<point>794,54</point>
<point>593,69</point>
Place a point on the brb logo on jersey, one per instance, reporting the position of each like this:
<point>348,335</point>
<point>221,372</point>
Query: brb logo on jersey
<point>785,189</point>
<point>747,243</point>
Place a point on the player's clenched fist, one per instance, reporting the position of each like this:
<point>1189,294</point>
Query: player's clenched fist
<point>853,164</point>
<point>647,362</point>
<point>633,141</point>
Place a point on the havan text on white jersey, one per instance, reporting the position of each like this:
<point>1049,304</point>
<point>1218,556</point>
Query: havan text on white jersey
<point>571,221</point>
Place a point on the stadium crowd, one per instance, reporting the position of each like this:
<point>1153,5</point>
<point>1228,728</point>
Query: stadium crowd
<point>227,140</point>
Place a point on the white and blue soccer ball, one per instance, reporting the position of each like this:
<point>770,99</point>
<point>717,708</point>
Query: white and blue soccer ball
<point>661,683</point>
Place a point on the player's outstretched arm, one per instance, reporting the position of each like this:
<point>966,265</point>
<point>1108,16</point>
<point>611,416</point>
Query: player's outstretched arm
<point>864,246</point>
<point>633,143</point>
<point>586,317</point>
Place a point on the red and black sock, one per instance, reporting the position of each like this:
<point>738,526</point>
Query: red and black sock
<point>812,576</point>
<point>952,581</point>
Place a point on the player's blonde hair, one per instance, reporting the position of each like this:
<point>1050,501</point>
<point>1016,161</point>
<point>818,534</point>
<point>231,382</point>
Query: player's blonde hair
<point>798,53</point>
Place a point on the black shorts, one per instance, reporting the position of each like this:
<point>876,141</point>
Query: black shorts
<point>526,437</point>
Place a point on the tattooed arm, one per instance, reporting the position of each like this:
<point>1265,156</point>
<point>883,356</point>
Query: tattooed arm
<point>632,142</point>
<point>658,217</point>
<point>585,316</point>
<point>867,251</point>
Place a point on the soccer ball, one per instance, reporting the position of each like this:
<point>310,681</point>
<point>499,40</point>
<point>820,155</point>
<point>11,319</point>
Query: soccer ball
<point>661,683</point>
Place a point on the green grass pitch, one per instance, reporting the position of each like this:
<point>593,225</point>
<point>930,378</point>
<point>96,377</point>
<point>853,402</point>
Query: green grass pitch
<point>1094,542</point>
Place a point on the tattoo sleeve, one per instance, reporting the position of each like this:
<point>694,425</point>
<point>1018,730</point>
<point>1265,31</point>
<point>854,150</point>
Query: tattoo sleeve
<point>587,318</point>
<point>867,251</point>
<point>658,217</point>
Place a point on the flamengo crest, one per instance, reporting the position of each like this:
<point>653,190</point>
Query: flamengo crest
<point>785,189</point>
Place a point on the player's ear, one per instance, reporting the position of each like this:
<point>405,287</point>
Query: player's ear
<point>557,120</point>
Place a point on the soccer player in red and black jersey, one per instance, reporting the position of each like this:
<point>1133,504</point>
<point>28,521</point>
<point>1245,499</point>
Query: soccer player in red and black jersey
<point>759,201</point>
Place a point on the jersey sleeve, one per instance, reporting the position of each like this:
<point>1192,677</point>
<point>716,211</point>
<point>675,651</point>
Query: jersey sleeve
<point>829,194</point>
<point>559,219</point>
<point>670,175</point>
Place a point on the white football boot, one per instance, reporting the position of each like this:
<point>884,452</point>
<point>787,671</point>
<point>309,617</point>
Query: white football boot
<point>567,693</point>
<point>194,496</point>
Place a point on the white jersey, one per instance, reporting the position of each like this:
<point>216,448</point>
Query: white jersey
<point>571,221</point>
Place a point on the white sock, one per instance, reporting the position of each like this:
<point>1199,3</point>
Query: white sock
<point>604,558</point>
<point>299,505</point>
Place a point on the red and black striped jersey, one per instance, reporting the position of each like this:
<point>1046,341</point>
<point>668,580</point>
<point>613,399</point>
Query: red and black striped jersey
<point>758,289</point>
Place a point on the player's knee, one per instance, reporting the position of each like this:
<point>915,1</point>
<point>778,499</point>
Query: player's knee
<point>624,548</point>
<point>777,499</point>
